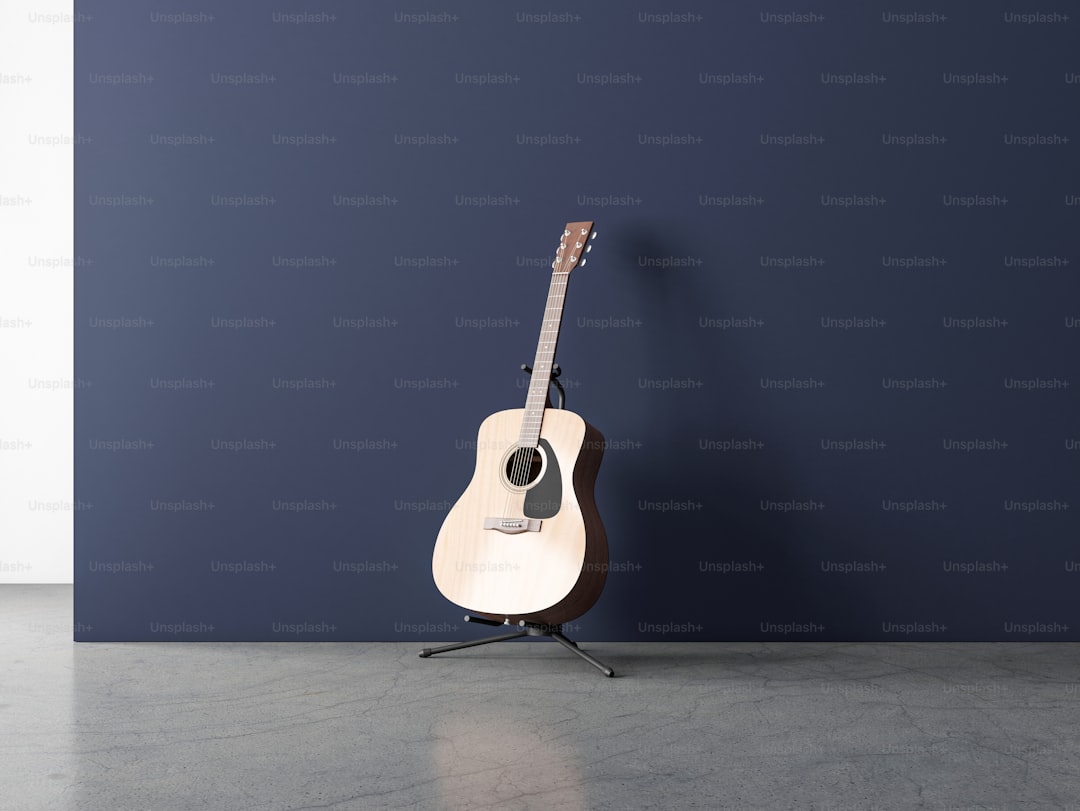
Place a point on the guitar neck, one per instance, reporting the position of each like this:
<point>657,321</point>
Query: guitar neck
<point>544,360</point>
<point>572,248</point>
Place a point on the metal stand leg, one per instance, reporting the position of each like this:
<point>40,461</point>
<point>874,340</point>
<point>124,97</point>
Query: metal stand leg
<point>426,652</point>
<point>573,648</point>
<point>526,629</point>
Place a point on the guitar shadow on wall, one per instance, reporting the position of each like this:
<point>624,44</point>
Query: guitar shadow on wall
<point>674,546</point>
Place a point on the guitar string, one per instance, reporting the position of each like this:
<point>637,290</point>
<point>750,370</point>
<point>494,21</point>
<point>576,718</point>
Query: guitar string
<point>556,298</point>
<point>523,456</point>
<point>547,337</point>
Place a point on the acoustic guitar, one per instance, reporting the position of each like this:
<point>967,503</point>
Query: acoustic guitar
<point>525,541</point>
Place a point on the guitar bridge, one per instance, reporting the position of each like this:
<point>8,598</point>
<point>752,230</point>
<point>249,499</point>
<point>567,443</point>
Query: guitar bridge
<point>513,526</point>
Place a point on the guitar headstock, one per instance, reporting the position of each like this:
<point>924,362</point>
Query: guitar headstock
<point>573,245</point>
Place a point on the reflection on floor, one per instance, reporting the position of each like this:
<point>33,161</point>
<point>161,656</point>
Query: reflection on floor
<point>525,724</point>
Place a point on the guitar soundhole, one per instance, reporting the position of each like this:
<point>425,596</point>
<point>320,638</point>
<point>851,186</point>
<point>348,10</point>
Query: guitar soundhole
<point>523,467</point>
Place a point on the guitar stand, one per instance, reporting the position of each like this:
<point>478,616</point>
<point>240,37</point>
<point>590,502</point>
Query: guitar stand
<point>524,629</point>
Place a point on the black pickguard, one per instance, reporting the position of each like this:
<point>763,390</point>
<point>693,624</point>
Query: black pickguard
<point>544,498</point>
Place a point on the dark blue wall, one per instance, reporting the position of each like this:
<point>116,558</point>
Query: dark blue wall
<point>830,328</point>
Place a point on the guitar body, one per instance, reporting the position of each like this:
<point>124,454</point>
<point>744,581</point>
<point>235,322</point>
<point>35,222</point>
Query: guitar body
<point>527,545</point>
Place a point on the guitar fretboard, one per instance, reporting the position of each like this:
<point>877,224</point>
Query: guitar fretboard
<point>533,420</point>
<point>573,245</point>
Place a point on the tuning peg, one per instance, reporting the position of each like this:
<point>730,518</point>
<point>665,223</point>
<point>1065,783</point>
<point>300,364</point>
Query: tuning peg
<point>581,264</point>
<point>593,235</point>
<point>588,248</point>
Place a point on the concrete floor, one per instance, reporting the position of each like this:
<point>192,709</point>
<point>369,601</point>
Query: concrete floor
<point>525,724</point>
